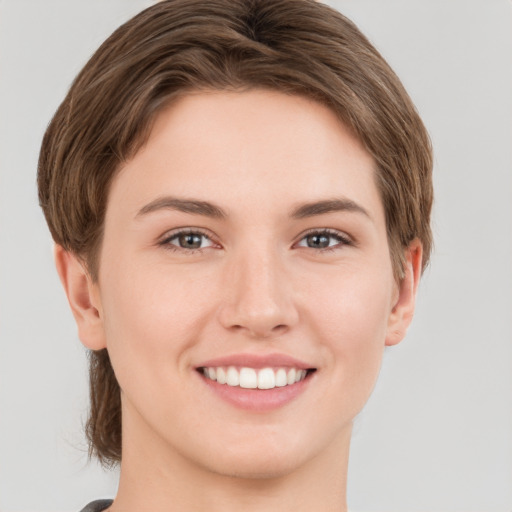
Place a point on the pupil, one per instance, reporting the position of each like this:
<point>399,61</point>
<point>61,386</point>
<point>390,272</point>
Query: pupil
<point>318,241</point>
<point>190,241</point>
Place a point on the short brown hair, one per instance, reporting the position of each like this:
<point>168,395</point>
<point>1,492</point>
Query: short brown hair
<point>294,46</point>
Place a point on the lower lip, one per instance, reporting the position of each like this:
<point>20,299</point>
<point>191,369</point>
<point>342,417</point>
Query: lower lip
<point>258,400</point>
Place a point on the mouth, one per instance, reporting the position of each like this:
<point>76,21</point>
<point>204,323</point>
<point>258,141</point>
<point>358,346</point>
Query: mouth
<point>257,383</point>
<point>255,378</point>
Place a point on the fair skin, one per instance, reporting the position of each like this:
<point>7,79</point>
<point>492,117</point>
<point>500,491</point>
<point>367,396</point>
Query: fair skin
<point>287,267</point>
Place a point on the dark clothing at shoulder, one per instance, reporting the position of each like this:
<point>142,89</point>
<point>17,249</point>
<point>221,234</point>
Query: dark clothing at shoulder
<point>97,506</point>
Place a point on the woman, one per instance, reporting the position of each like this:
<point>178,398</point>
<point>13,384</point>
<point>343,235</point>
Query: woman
<point>240,195</point>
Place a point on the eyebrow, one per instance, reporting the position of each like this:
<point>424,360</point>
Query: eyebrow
<point>183,205</point>
<point>208,209</point>
<point>328,206</point>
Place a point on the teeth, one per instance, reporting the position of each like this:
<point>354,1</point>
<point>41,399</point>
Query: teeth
<point>281,378</point>
<point>266,379</point>
<point>221,376</point>
<point>250,378</point>
<point>232,377</point>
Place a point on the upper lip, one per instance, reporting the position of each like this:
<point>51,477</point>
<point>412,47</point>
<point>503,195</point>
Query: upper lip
<point>257,361</point>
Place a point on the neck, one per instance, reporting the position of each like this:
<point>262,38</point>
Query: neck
<point>156,477</point>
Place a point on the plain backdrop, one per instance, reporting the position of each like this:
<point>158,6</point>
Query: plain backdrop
<point>437,434</point>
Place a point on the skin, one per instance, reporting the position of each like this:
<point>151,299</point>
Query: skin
<point>256,286</point>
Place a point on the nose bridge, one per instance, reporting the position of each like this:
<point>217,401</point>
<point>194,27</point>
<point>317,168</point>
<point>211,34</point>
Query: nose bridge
<point>259,293</point>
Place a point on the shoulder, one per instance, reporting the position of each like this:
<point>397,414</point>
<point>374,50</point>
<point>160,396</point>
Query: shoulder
<point>97,506</point>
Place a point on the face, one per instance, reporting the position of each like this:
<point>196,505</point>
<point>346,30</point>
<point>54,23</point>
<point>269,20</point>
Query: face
<point>244,248</point>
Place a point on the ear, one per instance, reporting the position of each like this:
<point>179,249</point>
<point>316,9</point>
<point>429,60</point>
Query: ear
<point>83,298</point>
<point>403,309</point>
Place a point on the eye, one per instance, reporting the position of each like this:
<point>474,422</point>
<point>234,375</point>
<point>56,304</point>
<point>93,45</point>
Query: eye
<point>324,239</point>
<point>187,240</point>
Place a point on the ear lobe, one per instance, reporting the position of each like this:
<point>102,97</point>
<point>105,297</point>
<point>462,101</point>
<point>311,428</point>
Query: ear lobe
<point>401,315</point>
<point>83,298</point>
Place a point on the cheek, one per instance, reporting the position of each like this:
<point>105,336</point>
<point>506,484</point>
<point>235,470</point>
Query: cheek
<point>352,305</point>
<point>152,317</point>
<point>351,321</point>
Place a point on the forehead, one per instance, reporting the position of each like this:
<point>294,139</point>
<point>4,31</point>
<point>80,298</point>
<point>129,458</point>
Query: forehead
<point>261,146</point>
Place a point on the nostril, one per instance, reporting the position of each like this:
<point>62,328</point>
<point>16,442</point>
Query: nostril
<point>278,329</point>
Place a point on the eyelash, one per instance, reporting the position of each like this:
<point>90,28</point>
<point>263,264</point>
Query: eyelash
<point>342,239</point>
<point>166,242</point>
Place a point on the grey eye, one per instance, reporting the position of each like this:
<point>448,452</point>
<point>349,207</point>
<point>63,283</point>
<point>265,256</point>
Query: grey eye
<point>190,240</point>
<point>324,240</point>
<point>318,240</point>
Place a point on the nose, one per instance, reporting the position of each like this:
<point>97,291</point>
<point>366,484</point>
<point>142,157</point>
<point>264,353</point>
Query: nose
<point>258,297</point>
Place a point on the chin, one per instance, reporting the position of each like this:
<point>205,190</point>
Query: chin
<point>263,467</point>
<point>265,455</point>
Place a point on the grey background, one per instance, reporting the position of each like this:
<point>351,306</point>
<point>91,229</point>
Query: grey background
<point>437,434</point>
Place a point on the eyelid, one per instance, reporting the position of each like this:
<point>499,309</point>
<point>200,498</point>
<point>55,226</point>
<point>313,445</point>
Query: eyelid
<point>344,238</point>
<point>165,239</point>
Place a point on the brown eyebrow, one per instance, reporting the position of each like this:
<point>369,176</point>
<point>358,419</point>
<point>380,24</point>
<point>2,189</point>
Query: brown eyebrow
<point>183,205</point>
<point>328,206</point>
<point>208,209</point>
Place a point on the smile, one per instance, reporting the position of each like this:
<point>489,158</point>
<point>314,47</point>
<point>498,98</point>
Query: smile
<point>252,378</point>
